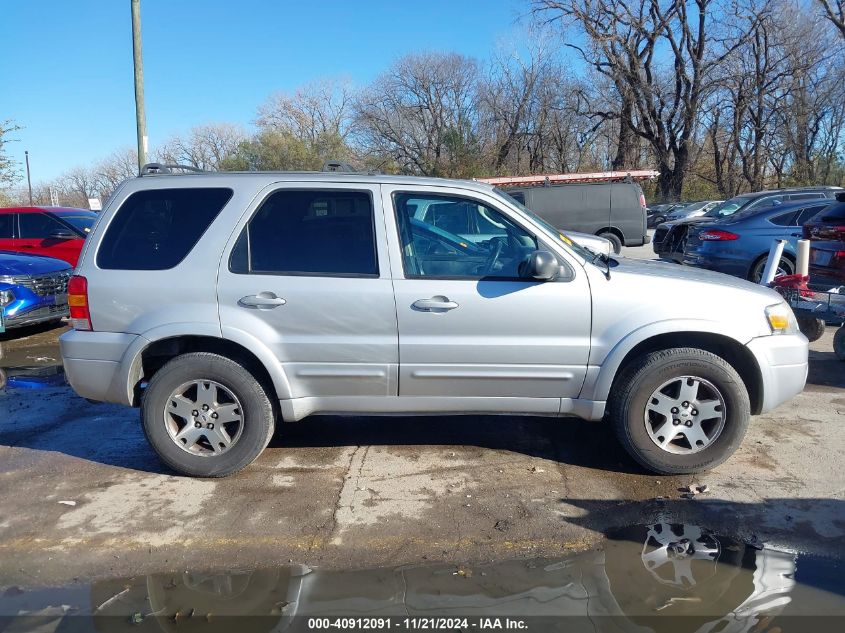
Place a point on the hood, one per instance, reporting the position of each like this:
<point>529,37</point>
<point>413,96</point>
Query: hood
<point>593,242</point>
<point>684,274</point>
<point>17,264</point>
<point>643,293</point>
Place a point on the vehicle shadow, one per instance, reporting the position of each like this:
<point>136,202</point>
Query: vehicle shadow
<point>566,440</point>
<point>30,330</point>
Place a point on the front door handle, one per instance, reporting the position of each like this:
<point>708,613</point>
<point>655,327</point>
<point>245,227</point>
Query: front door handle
<point>435,304</point>
<point>261,301</point>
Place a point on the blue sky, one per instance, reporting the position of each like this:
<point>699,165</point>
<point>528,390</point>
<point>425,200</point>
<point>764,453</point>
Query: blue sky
<point>66,66</point>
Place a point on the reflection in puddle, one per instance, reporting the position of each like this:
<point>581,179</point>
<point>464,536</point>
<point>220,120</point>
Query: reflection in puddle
<point>34,377</point>
<point>661,577</point>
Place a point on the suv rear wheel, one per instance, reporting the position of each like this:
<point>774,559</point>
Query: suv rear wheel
<point>680,410</point>
<point>206,415</point>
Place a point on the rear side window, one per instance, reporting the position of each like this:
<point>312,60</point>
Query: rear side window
<point>7,221</point>
<point>326,233</point>
<point>784,219</point>
<point>836,212</point>
<point>37,226</point>
<point>805,215</point>
<point>157,228</point>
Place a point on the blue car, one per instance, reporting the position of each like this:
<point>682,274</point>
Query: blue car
<point>739,244</point>
<point>33,289</point>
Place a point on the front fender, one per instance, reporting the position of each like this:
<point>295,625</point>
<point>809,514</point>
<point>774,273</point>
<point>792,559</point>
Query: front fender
<point>600,373</point>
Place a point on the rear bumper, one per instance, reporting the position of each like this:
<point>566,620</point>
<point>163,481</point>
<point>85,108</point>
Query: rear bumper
<point>728,265</point>
<point>93,364</point>
<point>782,360</point>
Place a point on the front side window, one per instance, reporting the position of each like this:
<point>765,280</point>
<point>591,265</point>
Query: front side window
<point>7,222</point>
<point>309,232</point>
<point>157,228</point>
<point>37,226</point>
<point>451,236</point>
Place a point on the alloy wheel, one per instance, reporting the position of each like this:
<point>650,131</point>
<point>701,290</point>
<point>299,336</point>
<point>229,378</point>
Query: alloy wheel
<point>203,418</point>
<point>685,415</point>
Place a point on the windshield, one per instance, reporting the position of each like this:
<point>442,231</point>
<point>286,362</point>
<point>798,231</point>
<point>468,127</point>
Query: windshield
<point>82,223</point>
<point>572,244</point>
<point>728,207</point>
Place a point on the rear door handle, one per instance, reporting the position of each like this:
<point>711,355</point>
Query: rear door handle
<point>261,301</point>
<point>435,303</point>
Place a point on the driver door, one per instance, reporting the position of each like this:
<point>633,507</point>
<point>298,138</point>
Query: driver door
<point>469,326</point>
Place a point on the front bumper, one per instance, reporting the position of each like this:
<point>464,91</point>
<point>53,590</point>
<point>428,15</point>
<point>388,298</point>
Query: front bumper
<point>94,365</point>
<point>42,314</point>
<point>782,359</point>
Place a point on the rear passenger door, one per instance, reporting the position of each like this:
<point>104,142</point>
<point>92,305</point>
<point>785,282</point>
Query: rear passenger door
<point>308,274</point>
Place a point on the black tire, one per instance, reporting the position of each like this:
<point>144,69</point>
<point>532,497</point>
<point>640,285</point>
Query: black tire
<point>633,388</point>
<point>614,239</point>
<point>839,343</point>
<point>755,273</point>
<point>812,328</point>
<point>257,411</point>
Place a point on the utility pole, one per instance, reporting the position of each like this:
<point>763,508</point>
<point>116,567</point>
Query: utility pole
<point>140,113</point>
<point>28,179</point>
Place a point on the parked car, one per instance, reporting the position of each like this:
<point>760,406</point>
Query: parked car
<point>594,243</point>
<point>739,244</point>
<point>827,248</point>
<point>33,289</point>
<point>56,232</point>
<point>615,211</point>
<point>692,209</point>
<point>225,303</point>
<point>655,214</point>
<point>670,237</point>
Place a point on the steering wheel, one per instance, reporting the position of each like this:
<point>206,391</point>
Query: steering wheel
<point>494,256</point>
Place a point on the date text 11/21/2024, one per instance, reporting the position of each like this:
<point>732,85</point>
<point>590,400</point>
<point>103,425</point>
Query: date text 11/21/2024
<point>418,624</point>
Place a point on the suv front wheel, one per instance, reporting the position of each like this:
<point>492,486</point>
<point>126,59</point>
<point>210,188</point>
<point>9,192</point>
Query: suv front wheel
<point>206,415</point>
<point>680,410</point>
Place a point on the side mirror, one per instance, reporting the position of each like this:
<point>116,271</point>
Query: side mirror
<point>540,265</point>
<point>62,234</point>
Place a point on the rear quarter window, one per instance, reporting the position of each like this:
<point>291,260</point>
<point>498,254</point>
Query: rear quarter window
<point>835,212</point>
<point>157,228</point>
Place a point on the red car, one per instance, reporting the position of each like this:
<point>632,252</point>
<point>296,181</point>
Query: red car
<point>827,249</point>
<point>56,232</point>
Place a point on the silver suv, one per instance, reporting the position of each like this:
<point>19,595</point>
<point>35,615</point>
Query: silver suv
<point>224,303</point>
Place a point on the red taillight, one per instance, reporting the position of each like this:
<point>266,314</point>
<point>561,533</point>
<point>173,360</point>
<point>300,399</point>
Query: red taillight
<point>77,299</point>
<point>717,236</point>
<point>642,201</point>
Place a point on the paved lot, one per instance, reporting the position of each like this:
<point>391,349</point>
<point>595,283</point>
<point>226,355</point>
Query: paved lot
<point>82,495</point>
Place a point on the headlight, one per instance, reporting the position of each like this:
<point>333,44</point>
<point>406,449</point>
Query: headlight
<point>6,297</point>
<point>781,319</point>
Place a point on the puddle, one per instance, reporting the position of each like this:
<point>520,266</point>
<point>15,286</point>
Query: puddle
<point>33,377</point>
<point>33,367</point>
<point>660,577</point>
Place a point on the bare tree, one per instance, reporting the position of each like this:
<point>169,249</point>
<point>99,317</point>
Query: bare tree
<point>9,170</point>
<point>316,110</point>
<point>421,114</point>
<point>628,41</point>
<point>204,147</point>
<point>834,11</point>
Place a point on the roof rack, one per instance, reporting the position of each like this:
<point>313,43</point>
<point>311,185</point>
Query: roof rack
<point>168,168</point>
<point>337,165</point>
<point>551,179</point>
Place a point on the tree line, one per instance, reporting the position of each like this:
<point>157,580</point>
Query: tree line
<point>720,96</point>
